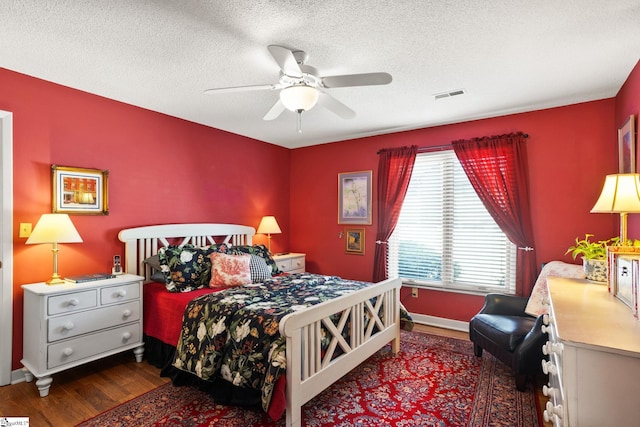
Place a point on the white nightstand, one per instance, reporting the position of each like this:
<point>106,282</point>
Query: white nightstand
<point>71,324</point>
<point>291,262</point>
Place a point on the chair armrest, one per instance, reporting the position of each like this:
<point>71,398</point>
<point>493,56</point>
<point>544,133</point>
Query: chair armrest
<point>530,351</point>
<point>506,305</point>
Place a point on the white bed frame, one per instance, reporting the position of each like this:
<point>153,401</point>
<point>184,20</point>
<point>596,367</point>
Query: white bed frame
<point>308,371</point>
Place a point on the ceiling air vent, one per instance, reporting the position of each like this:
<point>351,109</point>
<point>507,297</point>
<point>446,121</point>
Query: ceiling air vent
<point>448,94</point>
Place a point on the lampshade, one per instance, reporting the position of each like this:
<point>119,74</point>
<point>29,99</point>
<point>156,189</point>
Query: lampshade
<point>269,225</point>
<point>54,228</point>
<point>299,97</point>
<point>620,194</point>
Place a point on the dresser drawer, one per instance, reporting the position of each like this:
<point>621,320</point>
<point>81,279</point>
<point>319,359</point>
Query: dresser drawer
<point>119,293</point>
<point>91,345</point>
<point>74,324</point>
<point>66,303</point>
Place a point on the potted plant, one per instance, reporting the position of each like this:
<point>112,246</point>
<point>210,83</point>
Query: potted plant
<point>594,256</point>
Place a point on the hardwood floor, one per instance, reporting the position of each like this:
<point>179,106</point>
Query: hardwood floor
<point>81,393</point>
<point>84,392</point>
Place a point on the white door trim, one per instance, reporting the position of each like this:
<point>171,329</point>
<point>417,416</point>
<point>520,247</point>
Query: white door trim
<point>6,247</point>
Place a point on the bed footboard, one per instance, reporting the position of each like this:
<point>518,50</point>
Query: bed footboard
<point>372,316</point>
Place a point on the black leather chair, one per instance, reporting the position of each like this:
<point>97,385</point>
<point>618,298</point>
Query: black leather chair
<point>503,329</point>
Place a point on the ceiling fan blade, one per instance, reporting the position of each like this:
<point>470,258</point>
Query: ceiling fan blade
<point>366,79</point>
<point>240,89</point>
<point>275,111</point>
<point>335,106</point>
<point>285,59</point>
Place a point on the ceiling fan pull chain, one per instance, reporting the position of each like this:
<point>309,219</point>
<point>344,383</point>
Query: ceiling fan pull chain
<point>300,121</point>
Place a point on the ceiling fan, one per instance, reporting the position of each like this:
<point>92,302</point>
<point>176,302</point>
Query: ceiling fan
<point>301,87</point>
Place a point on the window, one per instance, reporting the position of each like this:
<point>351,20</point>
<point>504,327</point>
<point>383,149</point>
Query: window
<point>445,237</point>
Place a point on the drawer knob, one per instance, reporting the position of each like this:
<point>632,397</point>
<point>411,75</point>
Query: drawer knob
<point>126,313</point>
<point>549,391</point>
<point>549,368</point>
<point>67,351</point>
<point>552,348</point>
<point>551,410</point>
<point>547,320</point>
<point>545,329</point>
<point>68,326</point>
<point>121,293</point>
<point>126,336</point>
<point>74,301</point>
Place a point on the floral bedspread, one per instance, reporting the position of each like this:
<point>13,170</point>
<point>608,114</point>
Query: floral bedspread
<point>235,333</point>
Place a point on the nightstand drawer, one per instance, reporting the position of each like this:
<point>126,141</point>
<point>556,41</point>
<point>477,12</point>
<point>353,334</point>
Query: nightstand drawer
<point>291,262</point>
<point>92,345</point>
<point>120,293</point>
<point>297,264</point>
<point>284,265</point>
<point>68,326</point>
<point>71,302</point>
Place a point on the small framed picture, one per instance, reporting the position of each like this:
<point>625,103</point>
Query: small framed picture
<point>354,242</point>
<point>627,146</point>
<point>354,198</point>
<point>79,191</point>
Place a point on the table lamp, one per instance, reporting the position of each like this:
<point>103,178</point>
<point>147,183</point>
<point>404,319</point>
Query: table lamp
<point>54,229</point>
<point>269,225</point>
<point>620,194</point>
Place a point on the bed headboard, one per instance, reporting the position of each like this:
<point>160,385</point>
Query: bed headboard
<point>142,242</point>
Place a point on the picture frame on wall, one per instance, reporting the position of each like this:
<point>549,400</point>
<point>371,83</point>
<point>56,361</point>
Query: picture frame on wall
<point>354,241</point>
<point>354,198</point>
<point>79,191</point>
<point>627,146</point>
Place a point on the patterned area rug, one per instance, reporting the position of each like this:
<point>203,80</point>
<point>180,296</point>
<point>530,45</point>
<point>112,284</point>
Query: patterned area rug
<point>433,381</point>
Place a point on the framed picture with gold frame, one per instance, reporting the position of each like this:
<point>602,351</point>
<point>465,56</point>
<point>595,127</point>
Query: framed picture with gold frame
<point>354,241</point>
<point>79,191</point>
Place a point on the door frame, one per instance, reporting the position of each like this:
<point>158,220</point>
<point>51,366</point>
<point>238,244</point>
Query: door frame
<point>6,247</point>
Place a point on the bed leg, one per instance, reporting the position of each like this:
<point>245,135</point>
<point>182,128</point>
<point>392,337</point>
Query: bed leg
<point>294,416</point>
<point>395,345</point>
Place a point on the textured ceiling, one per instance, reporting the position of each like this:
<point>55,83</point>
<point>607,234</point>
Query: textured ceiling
<point>508,56</point>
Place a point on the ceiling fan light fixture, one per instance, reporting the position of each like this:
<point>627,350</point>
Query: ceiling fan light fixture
<point>299,98</point>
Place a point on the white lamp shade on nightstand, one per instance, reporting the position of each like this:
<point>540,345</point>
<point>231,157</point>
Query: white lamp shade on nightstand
<point>269,225</point>
<point>54,229</point>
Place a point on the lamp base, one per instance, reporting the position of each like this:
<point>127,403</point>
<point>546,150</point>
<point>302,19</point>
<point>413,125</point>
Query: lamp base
<point>55,280</point>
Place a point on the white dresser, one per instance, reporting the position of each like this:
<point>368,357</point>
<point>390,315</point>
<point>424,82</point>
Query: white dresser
<point>594,357</point>
<point>291,262</point>
<point>71,324</point>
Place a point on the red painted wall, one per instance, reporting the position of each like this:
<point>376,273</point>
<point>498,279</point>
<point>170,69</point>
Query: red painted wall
<point>570,150</point>
<point>161,169</point>
<point>627,103</point>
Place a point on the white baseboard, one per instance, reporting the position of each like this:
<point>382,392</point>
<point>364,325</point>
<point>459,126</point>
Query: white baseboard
<point>441,322</point>
<point>17,376</point>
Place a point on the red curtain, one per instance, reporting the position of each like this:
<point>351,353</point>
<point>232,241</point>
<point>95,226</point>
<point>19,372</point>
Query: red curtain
<point>498,170</point>
<point>394,172</point>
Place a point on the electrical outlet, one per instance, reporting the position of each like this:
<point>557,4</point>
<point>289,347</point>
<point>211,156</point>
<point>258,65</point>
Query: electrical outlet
<point>414,292</point>
<point>25,229</point>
